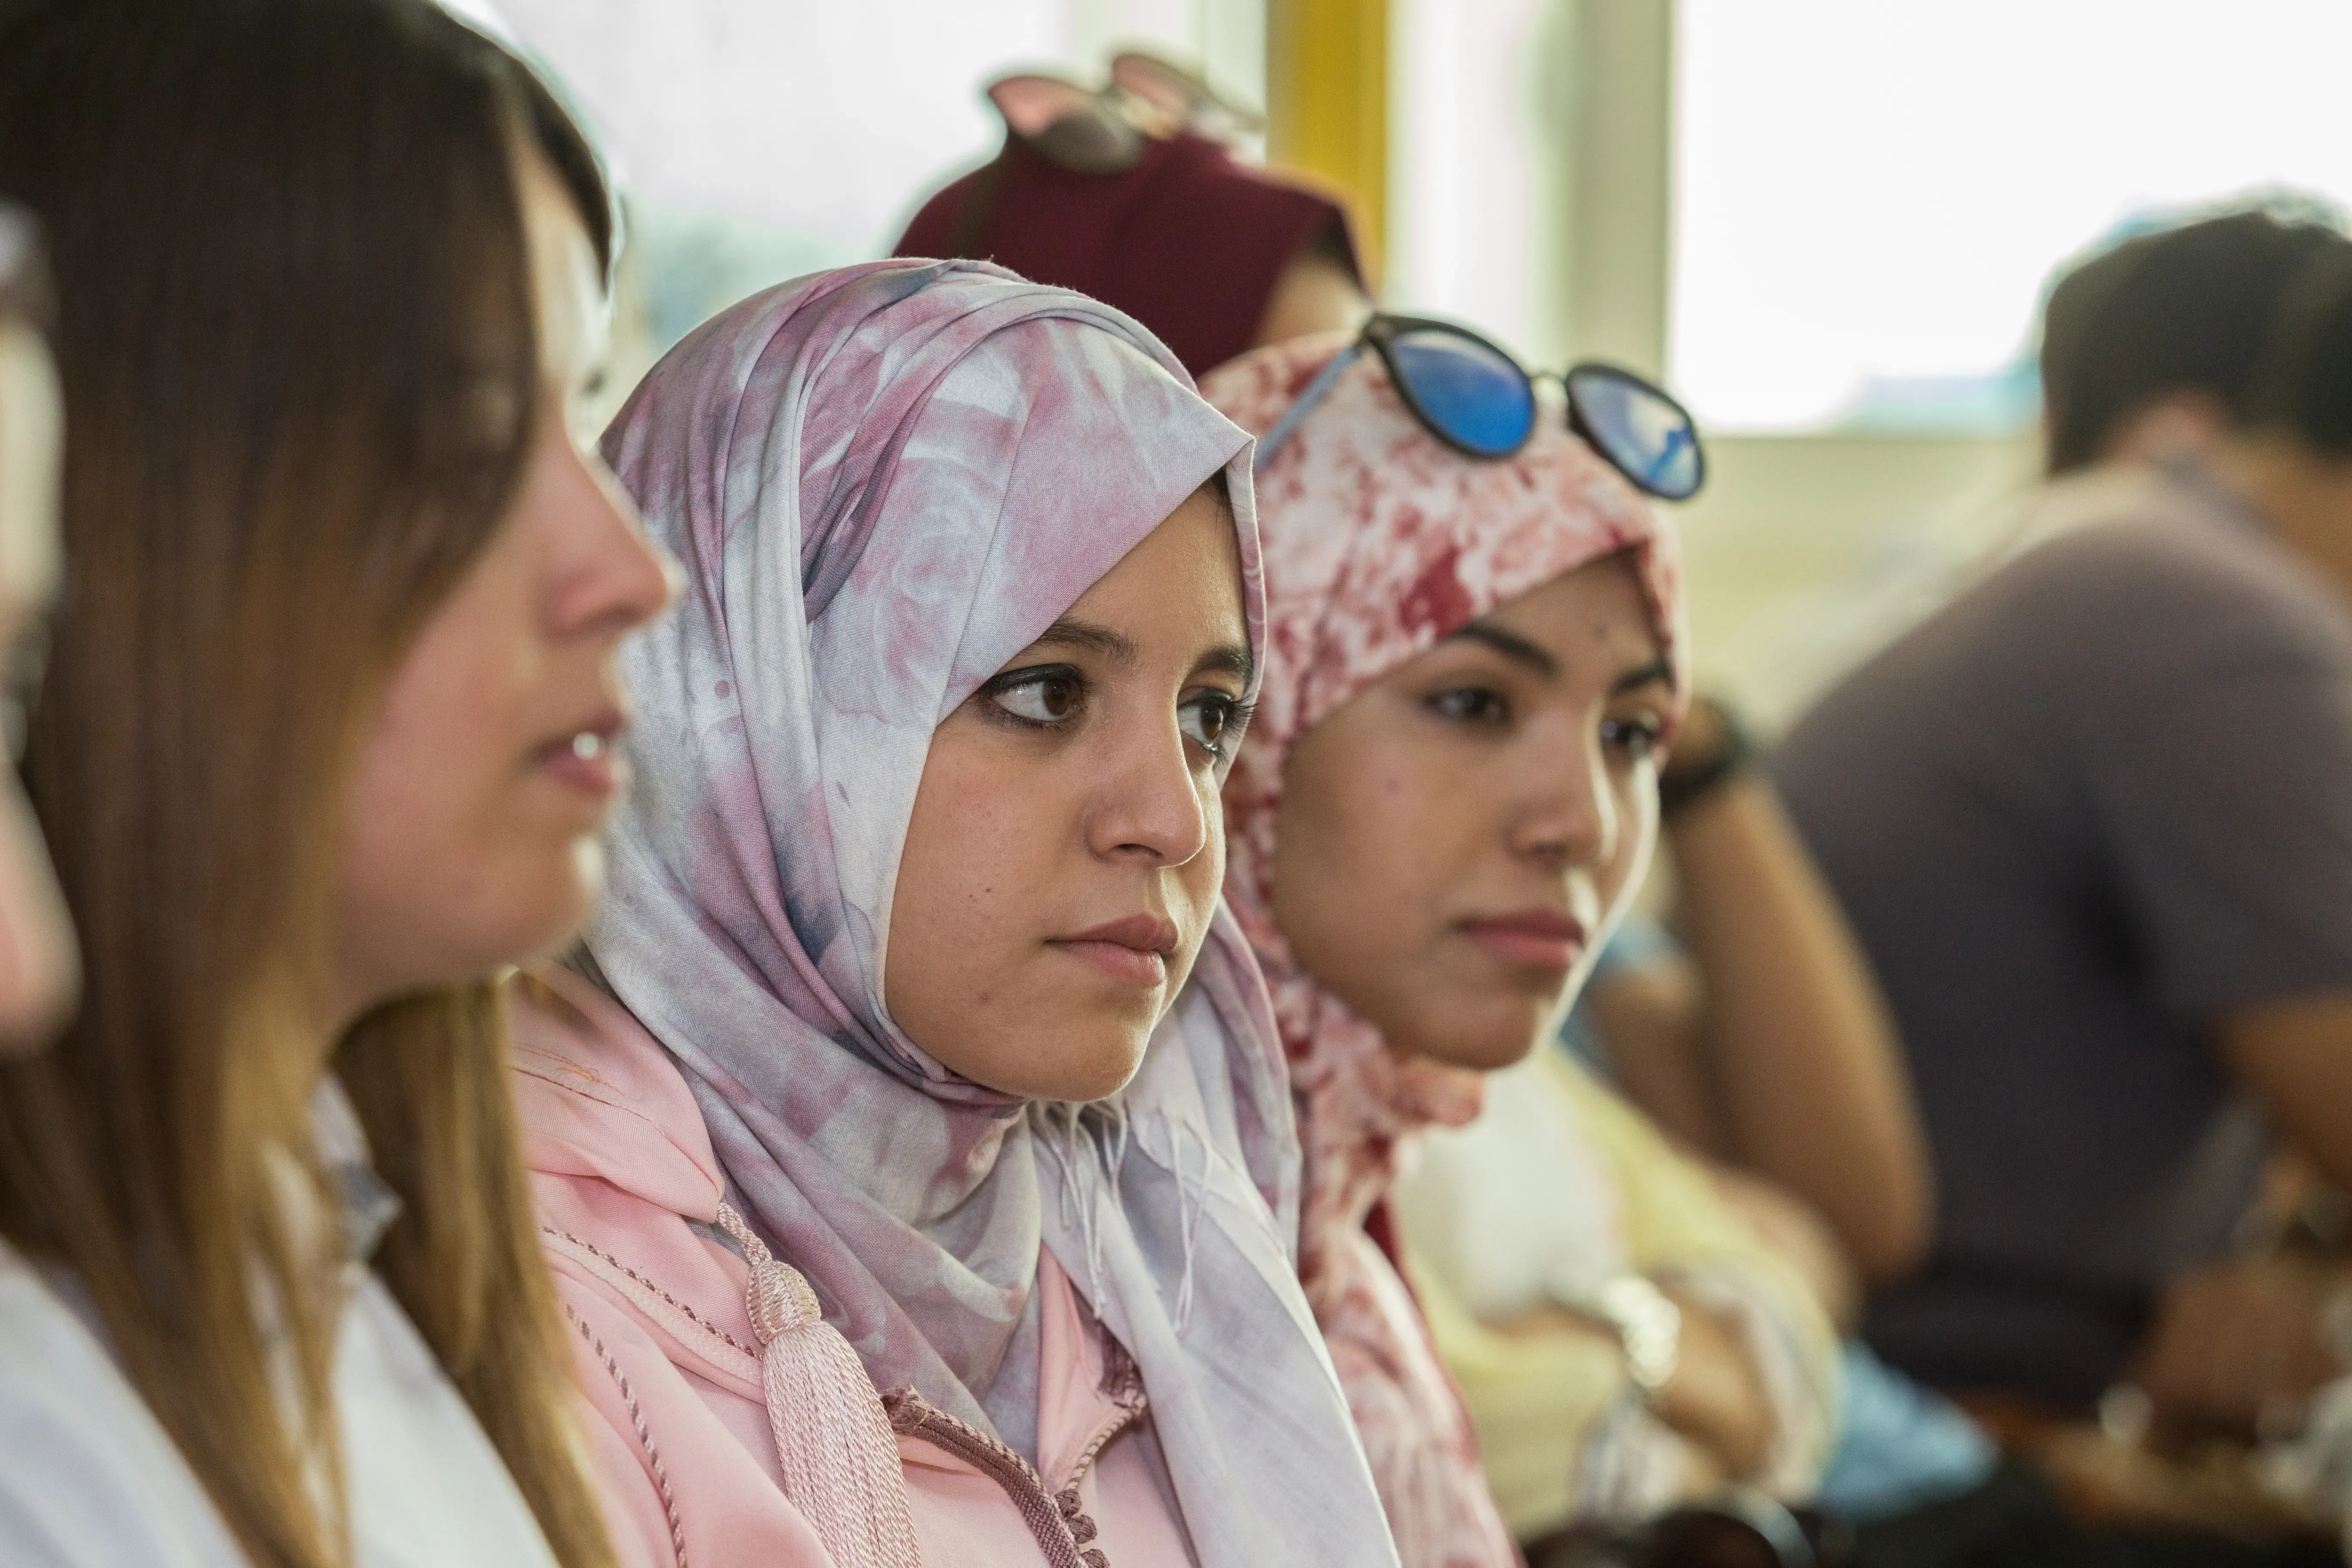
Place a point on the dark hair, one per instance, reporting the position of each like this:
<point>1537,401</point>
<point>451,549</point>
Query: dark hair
<point>2187,308</point>
<point>297,338</point>
<point>2306,388</point>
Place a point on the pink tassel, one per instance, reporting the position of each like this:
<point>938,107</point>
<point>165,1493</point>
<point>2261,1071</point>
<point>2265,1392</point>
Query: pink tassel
<point>840,1460</point>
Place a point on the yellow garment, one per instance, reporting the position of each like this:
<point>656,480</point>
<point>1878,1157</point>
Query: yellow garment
<point>1539,1402</point>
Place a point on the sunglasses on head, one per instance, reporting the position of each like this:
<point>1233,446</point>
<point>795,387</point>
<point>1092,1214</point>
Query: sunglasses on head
<point>1473,396</point>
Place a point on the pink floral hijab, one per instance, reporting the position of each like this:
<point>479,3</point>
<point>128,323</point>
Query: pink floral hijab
<point>883,483</point>
<point>1378,541</point>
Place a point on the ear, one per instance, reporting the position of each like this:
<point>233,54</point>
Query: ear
<point>2184,424</point>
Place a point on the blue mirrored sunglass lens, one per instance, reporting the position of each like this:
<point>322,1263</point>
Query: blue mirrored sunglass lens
<point>1640,431</point>
<point>1475,395</point>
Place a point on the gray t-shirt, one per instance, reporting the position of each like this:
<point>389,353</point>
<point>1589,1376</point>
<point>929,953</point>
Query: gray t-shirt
<point>2097,801</point>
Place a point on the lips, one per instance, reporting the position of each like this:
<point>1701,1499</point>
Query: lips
<point>1134,949</point>
<point>586,757</point>
<point>1532,938</point>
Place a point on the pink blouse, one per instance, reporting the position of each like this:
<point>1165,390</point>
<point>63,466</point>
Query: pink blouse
<point>629,1192</point>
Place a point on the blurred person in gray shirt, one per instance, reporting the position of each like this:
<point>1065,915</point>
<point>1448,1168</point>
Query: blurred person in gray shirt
<point>2092,824</point>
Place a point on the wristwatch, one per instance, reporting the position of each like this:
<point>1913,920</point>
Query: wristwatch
<point>1686,779</point>
<point>1648,1326</point>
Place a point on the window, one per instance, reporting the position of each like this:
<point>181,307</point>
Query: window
<point>755,140</point>
<point>1473,110</point>
<point>1871,197</point>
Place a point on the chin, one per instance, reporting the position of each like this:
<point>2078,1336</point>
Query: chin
<point>1488,1056</point>
<point>1101,1079</point>
<point>1486,1044</point>
<point>1089,1068</point>
<point>542,926</point>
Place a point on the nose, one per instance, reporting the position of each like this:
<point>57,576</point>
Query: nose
<point>615,577</point>
<point>1570,815</point>
<point>1151,805</point>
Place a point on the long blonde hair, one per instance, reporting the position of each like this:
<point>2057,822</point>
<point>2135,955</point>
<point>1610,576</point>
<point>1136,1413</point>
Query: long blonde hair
<point>296,333</point>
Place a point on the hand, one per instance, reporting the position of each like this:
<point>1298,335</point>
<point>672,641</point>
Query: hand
<point>2238,1349</point>
<point>1716,1398</point>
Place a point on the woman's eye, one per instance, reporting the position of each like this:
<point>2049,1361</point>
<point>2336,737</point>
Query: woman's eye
<point>1636,737</point>
<point>1038,699</point>
<point>1214,721</point>
<point>1471,705</point>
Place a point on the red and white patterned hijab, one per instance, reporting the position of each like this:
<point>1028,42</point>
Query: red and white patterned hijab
<point>1378,541</point>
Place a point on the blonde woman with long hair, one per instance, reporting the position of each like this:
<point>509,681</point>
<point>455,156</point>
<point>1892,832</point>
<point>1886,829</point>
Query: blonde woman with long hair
<point>327,739</point>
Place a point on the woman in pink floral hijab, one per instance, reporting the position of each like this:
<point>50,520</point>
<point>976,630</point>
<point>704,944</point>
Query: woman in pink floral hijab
<point>841,1301</point>
<point>1382,550</point>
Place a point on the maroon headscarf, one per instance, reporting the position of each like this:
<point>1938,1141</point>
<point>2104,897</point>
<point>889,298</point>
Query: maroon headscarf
<point>1189,241</point>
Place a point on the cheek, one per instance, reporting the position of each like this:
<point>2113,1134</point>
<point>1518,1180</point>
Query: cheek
<point>464,705</point>
<point>436,774</point>
<point>409,774</point>
<point>443,790</point>
<point>1362,857</point>
<point>1207,869</point>
<point>963,845</point>
<point>1200,882</point>
<point>1408,816</point>
<point>967,878</point>
<point>418,844</point>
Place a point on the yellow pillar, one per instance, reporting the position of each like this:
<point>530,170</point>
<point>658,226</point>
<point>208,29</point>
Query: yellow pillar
<point>1326,89</point>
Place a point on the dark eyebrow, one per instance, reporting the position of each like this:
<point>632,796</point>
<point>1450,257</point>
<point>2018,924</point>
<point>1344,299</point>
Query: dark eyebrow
<point>1234,658</point>
<point>1658,671</point>
<point>1231,658</point>
<point>1519,650</point>
<point>1067,633</point>
<point>1513,647</point>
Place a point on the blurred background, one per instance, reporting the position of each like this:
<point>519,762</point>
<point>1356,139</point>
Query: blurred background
<point>1827,223</point>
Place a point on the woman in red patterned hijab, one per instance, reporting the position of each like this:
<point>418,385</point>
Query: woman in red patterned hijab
<point>1447,796</point>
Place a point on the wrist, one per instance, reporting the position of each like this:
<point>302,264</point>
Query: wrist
<point>1713,749</point>
<point>1645,1321</point>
